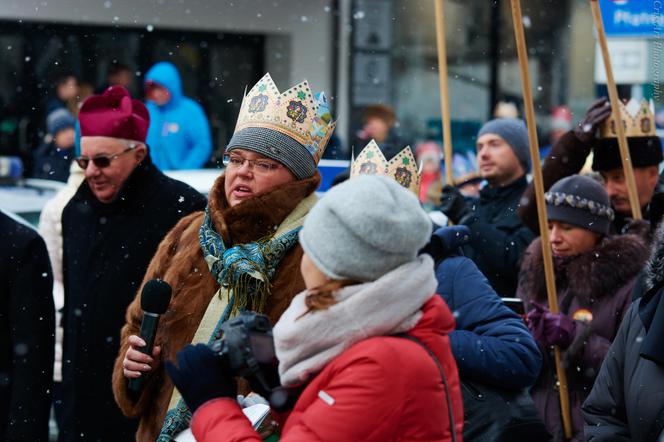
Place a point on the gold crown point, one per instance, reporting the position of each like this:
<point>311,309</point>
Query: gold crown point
<point>402,168</point>
<point>638,119</point>
<point>294,113</point>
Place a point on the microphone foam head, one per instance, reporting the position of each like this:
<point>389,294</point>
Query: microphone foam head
<point>156,296</point>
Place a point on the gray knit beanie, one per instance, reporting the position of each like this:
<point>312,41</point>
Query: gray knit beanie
<point>580,201</point>
<point>363,228</point>
<point>515,132</point>
<point>276,146</point>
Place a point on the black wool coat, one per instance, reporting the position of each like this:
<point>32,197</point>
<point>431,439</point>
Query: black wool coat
<point>27,333</point>
<point>498,237</point>
<point>627,400</point>
<point>107,249</point>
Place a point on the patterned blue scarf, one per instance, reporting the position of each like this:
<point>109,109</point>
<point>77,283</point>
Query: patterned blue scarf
<point>246,271</point>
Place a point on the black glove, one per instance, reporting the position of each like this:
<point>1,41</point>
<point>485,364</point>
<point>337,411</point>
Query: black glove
<point>453,204</point>
<point>596,114</point>
<point>201,375</point>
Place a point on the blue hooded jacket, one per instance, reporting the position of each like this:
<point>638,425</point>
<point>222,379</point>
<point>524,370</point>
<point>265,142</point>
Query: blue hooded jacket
<point>491,343</point>
<point>179,134</point>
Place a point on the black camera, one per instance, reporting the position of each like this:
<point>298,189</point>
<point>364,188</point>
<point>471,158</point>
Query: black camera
<point>246,341</point>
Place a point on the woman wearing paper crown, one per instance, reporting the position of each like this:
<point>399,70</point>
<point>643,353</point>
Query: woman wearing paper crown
<point>242,252</point>
<point>595,274</point>
<point>367,340</point>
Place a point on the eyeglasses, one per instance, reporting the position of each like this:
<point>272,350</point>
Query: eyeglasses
<point>101,161</point>
<point>260,166</point>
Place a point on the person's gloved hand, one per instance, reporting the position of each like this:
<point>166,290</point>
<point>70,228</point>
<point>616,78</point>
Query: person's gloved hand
<point>551,328</point>
<point>596,114</point>
<point>201,375</point>
<point>453,204</point>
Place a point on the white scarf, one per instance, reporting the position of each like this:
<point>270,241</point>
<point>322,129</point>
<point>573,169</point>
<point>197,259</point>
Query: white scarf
<point>386,306</point>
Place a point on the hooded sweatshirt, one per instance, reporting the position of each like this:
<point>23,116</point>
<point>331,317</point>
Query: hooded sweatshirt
<point>179,134</point>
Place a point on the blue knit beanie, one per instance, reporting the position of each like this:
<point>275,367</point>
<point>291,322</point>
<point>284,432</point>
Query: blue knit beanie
<point>58,120</point>
<point>515,133</point>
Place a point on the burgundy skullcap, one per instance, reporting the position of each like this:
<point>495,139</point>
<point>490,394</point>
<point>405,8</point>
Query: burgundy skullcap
<point>114,114</point>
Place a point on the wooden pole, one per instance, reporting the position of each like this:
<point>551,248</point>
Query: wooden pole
<point>615,111</point>
<point>444,92</point>
<point>541,204</point>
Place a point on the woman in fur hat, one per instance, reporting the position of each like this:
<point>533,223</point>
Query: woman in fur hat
<point>594,277</point>
<point>365,284</point>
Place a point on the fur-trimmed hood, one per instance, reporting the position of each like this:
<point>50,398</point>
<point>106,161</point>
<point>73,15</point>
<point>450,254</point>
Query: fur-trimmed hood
<point>654,270</point>
<point>592,275</point>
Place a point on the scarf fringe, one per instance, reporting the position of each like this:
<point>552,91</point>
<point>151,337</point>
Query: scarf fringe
<point>250,293</point>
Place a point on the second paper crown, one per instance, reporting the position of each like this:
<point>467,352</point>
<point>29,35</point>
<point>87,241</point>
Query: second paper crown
<point>402,168</point>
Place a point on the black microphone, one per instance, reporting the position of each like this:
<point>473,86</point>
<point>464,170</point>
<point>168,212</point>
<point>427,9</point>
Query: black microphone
<point>155,297</point>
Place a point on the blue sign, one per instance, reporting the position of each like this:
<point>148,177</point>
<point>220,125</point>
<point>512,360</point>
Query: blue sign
<point>633,18</point>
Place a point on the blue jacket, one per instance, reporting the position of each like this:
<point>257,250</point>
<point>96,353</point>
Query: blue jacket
<point>491,343</point>
<point>179,134</point>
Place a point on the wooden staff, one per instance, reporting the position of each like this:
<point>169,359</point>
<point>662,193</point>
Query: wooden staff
<point>541,204</point>
<point>444,93</point>
<point>615,111</point>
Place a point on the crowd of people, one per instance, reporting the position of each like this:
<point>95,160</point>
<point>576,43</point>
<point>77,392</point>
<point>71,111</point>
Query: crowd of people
<point>384,325</point>
<point>179,134</point>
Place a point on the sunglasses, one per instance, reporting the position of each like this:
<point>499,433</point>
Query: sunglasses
<point>101,161</point>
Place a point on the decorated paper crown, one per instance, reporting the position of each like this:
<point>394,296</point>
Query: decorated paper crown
<point>638,119</point>
<point>402,168</point>
<point>296,113</point>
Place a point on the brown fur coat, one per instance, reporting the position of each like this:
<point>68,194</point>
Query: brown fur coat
<point>179,261</point>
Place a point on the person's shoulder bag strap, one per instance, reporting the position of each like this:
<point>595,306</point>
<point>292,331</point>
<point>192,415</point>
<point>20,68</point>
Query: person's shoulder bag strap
<point>448,398</point>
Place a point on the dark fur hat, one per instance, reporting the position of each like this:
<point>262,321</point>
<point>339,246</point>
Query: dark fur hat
<point>644,152</point>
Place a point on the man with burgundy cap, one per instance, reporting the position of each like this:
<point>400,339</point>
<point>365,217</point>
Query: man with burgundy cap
<point>111,228</point>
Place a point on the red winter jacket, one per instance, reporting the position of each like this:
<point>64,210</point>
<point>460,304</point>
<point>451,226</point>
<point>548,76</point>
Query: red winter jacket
<point>381,389</point>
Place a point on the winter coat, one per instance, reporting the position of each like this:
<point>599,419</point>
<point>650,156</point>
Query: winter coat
<point>498,237</point>
<point>598,281</point>
<point>381,389</point>
<point>26,333</point>
<point>567,157</point>
<point>50,228</point>
<point>179,261</point>
<point>51,162</point>
<point>107,249</point>
<point>627,400</point>
<point>179,134</point>
<point>490,342</point>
